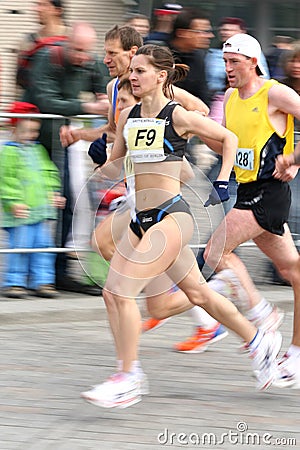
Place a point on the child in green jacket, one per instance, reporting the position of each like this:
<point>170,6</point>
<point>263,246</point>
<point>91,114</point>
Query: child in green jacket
<point>29,195</point>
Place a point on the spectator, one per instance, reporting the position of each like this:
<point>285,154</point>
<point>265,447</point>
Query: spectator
<point>189,42</point>
<point>59,76</point>
<point>163,24</point>
<point>140,23</point>
<point>51,18</point>
<point>29,195</point>
<point>291,67</point>
<point>280,46</point>
<point>52,30</point>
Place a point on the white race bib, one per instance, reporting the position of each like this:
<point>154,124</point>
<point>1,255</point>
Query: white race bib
<point>245,158</point>
<point>145,139</point>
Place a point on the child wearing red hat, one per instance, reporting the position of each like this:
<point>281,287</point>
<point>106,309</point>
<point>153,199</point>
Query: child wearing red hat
<point>29,195</point>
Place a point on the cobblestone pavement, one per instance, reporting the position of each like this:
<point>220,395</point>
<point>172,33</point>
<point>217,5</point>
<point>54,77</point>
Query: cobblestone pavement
<point>51,350</point>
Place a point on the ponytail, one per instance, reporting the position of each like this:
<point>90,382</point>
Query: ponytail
<point>178,73</point>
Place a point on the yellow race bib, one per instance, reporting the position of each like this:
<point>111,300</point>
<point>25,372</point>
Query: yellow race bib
<point>145,139</point>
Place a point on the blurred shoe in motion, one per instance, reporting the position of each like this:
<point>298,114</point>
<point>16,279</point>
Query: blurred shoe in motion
<point>152,324</point>
<point>46,291</point>
<point>263,352</point>
<point>14,292</point>
<point>200,340</point>
<point>288,375</point>
<point>121,390</point>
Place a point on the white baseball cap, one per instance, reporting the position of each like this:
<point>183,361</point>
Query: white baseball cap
<point>167,9</point>
<point>246,45</point>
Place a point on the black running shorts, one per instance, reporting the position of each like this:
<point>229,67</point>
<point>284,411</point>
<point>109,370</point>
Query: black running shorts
<point>270,201</point>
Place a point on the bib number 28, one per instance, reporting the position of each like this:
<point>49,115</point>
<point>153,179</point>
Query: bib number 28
<point>245,158</point>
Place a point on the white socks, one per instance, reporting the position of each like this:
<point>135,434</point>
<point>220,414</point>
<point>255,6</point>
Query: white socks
<point>201,318</point>
<point>135,366</point>
<point>261,311</point>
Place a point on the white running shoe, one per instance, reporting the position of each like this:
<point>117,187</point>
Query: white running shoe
<point>287,376</point>
<point>264,358</point>
<point>120,390</point>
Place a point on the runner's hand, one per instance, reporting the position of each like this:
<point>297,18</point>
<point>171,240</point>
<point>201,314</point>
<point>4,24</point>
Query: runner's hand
<point>97,150</point>
<point>219,193</point>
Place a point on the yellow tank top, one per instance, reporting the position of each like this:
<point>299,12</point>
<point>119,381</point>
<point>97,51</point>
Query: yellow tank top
<point>259,142</point>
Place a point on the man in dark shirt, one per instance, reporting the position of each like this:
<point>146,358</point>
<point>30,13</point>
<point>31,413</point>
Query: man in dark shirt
<point>189,41</point>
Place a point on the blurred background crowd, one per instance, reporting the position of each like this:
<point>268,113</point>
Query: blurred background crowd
<point>75,87</point>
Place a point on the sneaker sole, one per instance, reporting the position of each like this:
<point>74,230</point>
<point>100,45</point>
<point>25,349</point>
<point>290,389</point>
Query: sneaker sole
<point>104,404</point>
<point>292,384</point>
<point>202,349</point>
<point>287,383</point>
<point>278,341</point>
<point>129,402</point>
<point>195,350</point>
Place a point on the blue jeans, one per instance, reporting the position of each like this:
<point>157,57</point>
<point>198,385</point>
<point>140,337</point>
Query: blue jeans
<point>30,270</point>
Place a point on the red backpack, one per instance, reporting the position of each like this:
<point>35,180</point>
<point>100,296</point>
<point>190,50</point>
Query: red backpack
<point>25,57</point>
